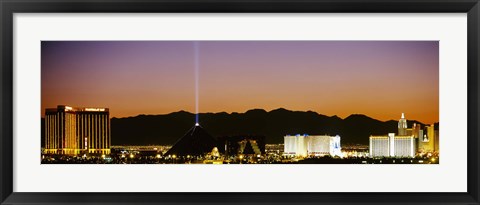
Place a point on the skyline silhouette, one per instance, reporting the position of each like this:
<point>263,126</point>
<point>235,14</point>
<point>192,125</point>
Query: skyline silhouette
<point>274,124</point>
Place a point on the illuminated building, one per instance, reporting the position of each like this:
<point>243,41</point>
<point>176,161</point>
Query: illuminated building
<point>274,148</point>
<point>355,151</point>
<point>243,144</point>
<point>409,131</point>
<point>379,146</point>
<point>312,145</point>
<point>428,141</point>
<point>74,131</point>
<point>390,145</point>
<point>295,145</point>
<point>417,130</point>
<point>402,126</point>
<point>424,141</point>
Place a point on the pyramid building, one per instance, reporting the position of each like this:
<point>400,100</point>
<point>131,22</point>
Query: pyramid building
<point>195,142</point>
<point>248,148</point>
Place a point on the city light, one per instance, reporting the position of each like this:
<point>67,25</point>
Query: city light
<point>95,109</point>
<point>72,127</point>
<point>303,116</point>
<point>240,149</point>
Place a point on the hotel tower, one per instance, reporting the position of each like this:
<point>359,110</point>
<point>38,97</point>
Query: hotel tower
<point>75,131</point>
<point>391,145</point>
<point>402,125</point>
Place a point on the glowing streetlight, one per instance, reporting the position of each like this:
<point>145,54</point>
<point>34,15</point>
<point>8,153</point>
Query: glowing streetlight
<point>173,157</point>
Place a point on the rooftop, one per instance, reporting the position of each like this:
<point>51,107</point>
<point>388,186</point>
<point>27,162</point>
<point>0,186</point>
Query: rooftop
<point>77,109</point>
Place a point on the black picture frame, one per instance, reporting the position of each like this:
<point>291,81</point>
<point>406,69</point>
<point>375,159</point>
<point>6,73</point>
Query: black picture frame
<point>9,7</point>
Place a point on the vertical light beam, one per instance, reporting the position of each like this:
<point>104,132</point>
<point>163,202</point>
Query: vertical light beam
<point>197,68</point>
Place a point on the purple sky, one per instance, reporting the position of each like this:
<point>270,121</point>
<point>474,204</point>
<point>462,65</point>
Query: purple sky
<point>380,79</point>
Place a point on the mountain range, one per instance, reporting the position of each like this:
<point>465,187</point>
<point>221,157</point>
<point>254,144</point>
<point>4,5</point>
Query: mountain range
<point>166,129</point>
<point>275,124</point>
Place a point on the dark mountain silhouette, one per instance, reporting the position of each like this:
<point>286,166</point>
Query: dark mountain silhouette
<point>168,128</point>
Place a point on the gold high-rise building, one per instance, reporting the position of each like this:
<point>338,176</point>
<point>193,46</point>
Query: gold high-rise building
<point>428,141</point>
<point>74,131</point>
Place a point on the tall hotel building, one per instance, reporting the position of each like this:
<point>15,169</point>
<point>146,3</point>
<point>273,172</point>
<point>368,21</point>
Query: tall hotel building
<point>74,131</point>
<point>428,141</point>
<point>312,145</point>
<point>392,146</point>
<point>402,145</point>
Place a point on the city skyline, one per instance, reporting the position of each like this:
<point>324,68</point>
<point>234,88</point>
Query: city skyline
<point>328,77</point>
<point>75,135</point>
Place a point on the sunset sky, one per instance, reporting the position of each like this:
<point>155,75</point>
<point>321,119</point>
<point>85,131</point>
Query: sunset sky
<point>380,79</point>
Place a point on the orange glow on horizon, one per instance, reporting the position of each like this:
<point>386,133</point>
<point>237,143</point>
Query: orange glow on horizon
<point>380,79</point>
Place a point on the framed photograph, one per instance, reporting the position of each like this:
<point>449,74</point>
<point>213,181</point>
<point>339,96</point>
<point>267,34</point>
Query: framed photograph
<point>252,102</point>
